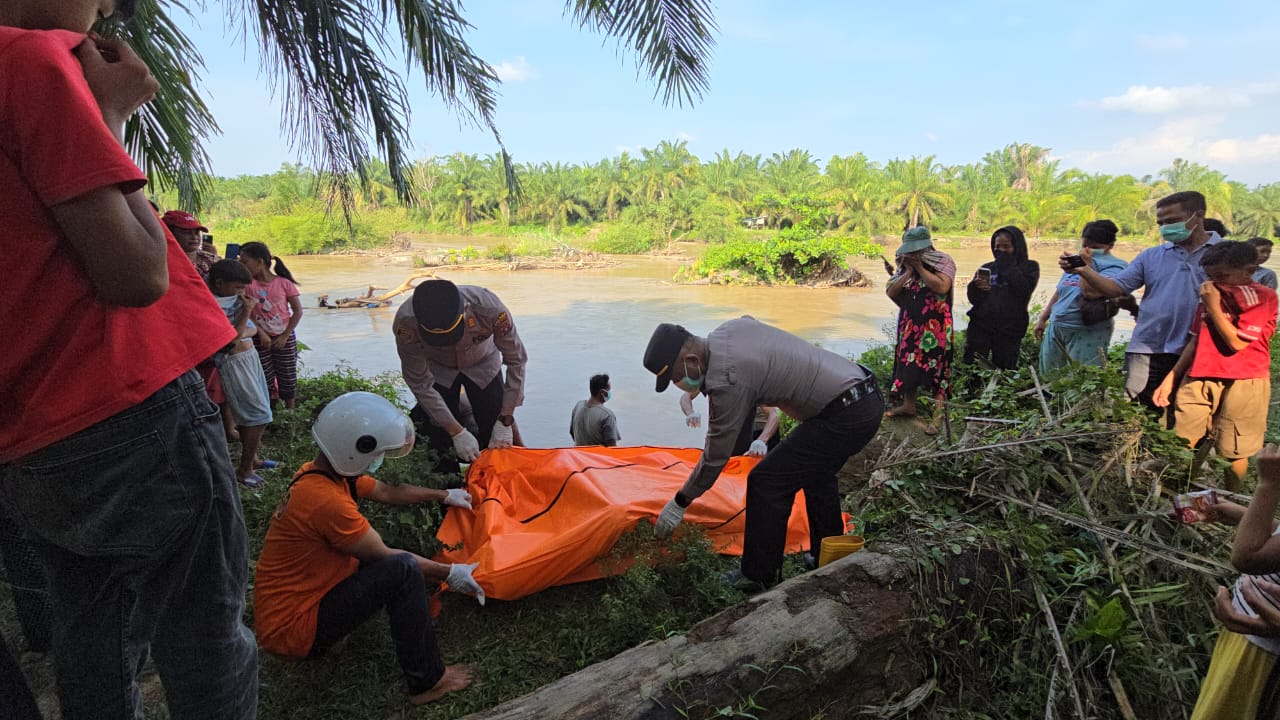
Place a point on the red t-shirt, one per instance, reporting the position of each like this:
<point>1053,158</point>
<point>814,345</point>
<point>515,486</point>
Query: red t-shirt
<point>302,558</point>
<point>1252,310</point>
<point>70,359</point>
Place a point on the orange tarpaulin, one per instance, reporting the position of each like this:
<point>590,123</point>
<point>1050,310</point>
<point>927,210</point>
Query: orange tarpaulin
<point>545,517</point>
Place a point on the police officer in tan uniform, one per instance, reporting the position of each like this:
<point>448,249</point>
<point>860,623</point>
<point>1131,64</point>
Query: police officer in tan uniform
<point>451,337</point>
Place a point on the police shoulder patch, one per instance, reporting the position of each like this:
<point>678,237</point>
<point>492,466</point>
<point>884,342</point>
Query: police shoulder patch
<point>502,324</point>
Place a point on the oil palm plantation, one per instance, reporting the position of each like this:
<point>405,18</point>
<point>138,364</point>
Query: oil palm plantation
<point>916,189</point>
<point>344,102</point>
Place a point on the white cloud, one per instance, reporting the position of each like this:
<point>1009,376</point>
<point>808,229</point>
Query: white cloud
<point>1162,100</point>
<point>517,70</point>
<point>682,135</point>
<point>1165,42</point>
<point>1198,138</point>
<point>626,149</point>
<point>931,137</point>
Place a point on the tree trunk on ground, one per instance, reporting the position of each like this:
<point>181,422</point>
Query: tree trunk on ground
<point>818,645</point>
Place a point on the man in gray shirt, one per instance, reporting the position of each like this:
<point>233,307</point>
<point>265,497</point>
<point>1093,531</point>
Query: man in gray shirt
<point>745,363</point>
<point>591,422</point>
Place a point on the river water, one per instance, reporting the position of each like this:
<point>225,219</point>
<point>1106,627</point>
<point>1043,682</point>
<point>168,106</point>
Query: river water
<point>576,323</point>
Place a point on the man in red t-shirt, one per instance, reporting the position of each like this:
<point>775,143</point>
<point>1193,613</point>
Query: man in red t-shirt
<point>1227,363</point>
<point>111,456</point>
<point>324,570</point>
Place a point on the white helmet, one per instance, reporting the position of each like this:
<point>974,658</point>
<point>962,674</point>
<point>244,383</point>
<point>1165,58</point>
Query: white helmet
<point>357,430</point>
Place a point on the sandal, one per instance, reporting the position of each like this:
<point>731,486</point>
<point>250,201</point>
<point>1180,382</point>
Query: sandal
<point>253,481</point>
<point>263,464</point>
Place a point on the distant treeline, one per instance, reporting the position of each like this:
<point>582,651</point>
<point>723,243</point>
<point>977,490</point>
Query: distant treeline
<point>666,193</point>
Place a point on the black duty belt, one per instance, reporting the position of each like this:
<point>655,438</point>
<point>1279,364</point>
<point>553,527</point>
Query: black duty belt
<point>862,389</point>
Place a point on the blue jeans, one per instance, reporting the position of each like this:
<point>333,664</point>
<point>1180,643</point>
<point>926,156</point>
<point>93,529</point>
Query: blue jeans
<point>808,459</point>
<point>137,520</point>
<point>395,583</point>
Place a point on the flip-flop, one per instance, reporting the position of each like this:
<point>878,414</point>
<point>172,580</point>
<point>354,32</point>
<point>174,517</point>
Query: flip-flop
<point>253,481</point>
<point>266,465</point>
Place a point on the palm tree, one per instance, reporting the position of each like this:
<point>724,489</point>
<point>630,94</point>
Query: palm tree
<point>666,168</point>
<point>1016,163</point>
<point>855,187</point>
<point>1097,196</point>
<point>342,97</point>
<point>735,178</point>
<point>1186,175</point>
<point>1046,206</point>
<point>976,190</point>
<point>464,179</point>
<point>614,182</point>
<point>792,173</point>
<point>1259,212</point>
<point>916,189</point>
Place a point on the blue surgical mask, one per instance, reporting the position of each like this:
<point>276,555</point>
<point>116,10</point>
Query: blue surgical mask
<point>1175,232</point>
<point>689,384</point>
<point>373,466</point>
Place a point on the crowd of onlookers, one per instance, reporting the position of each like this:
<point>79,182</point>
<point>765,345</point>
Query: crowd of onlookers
<point>1199,357</point>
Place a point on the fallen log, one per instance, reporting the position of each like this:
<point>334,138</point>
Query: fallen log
<point>826,643</point>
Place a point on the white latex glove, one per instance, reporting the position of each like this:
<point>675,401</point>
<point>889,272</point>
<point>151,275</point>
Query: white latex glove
<point>669,518</point>
<point>458,498</point>
<point>461,581</point>
<point>693,419</point>
<point>465,445</point>
<point>501,436</point>
<point>758,448</point>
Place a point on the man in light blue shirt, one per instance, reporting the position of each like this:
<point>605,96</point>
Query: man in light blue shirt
<point>1263,276</point>
<point>1171,275</point>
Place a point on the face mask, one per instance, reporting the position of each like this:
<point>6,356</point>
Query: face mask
<point>373,466</point>
<point>608,394</point>
<point>1175,232</point>
<point>688,384</point>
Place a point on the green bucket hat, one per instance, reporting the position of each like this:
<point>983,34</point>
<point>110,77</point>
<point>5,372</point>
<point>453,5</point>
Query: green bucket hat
<point>917,238</point>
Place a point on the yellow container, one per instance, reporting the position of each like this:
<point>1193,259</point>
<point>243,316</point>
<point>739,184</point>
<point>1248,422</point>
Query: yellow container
<point>837,546</point>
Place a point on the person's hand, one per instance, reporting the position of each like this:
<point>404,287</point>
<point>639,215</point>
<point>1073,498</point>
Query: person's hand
<point>466,446</point>
<point>457,497</point>
<point>758,448</point>
<point>502,436</point>
<point>1087,255</point>
<point>249,299</point>
<point>669,518</point>
<point>279,342</point>
<point>1252,590</point>
<point>982,282</point>
<point>1225,512</point>
<point>1160,396</point>
<point>1038,330</point>
<point>118,79</point>
<point>1066,266</point>
<point>1268,459</point>
<point>460,580</point>
<point>1209,294</point>
<point>693,420</point>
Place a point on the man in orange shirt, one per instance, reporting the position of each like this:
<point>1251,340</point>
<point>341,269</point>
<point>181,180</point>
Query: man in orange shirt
<point>324,571</point>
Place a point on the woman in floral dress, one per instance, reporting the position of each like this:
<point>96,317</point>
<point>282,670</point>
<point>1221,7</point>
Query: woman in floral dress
<point>922,291</point>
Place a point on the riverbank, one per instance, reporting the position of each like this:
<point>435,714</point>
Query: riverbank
<point>1058,483</point>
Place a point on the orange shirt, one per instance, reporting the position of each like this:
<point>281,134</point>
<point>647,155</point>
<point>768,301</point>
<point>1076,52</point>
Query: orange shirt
<point>302,558</point>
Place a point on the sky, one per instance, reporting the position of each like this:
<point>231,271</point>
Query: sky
<point>1116,87</point>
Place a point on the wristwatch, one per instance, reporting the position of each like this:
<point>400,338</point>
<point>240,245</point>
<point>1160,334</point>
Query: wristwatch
<point>506,420</point>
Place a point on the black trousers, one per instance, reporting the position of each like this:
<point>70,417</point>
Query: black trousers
<point>486,406</point>
<point>1002,349</point>
<point>395,583</point>
<point>807,460</point>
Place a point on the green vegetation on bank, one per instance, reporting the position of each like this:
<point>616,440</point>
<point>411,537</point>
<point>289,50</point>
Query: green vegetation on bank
<point>637,203</point>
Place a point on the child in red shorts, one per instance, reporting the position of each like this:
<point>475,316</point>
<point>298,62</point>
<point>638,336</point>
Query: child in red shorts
<point>1226,390</point>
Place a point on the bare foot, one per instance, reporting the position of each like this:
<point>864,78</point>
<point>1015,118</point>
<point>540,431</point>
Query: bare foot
<point>456,677</point>
<point>900,411</point>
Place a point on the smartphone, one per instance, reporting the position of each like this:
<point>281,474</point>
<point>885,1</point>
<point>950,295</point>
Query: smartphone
<point>1193,506</point>
<point>1075,261</point>
<point>984,273</point>
<point>233,251</point>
